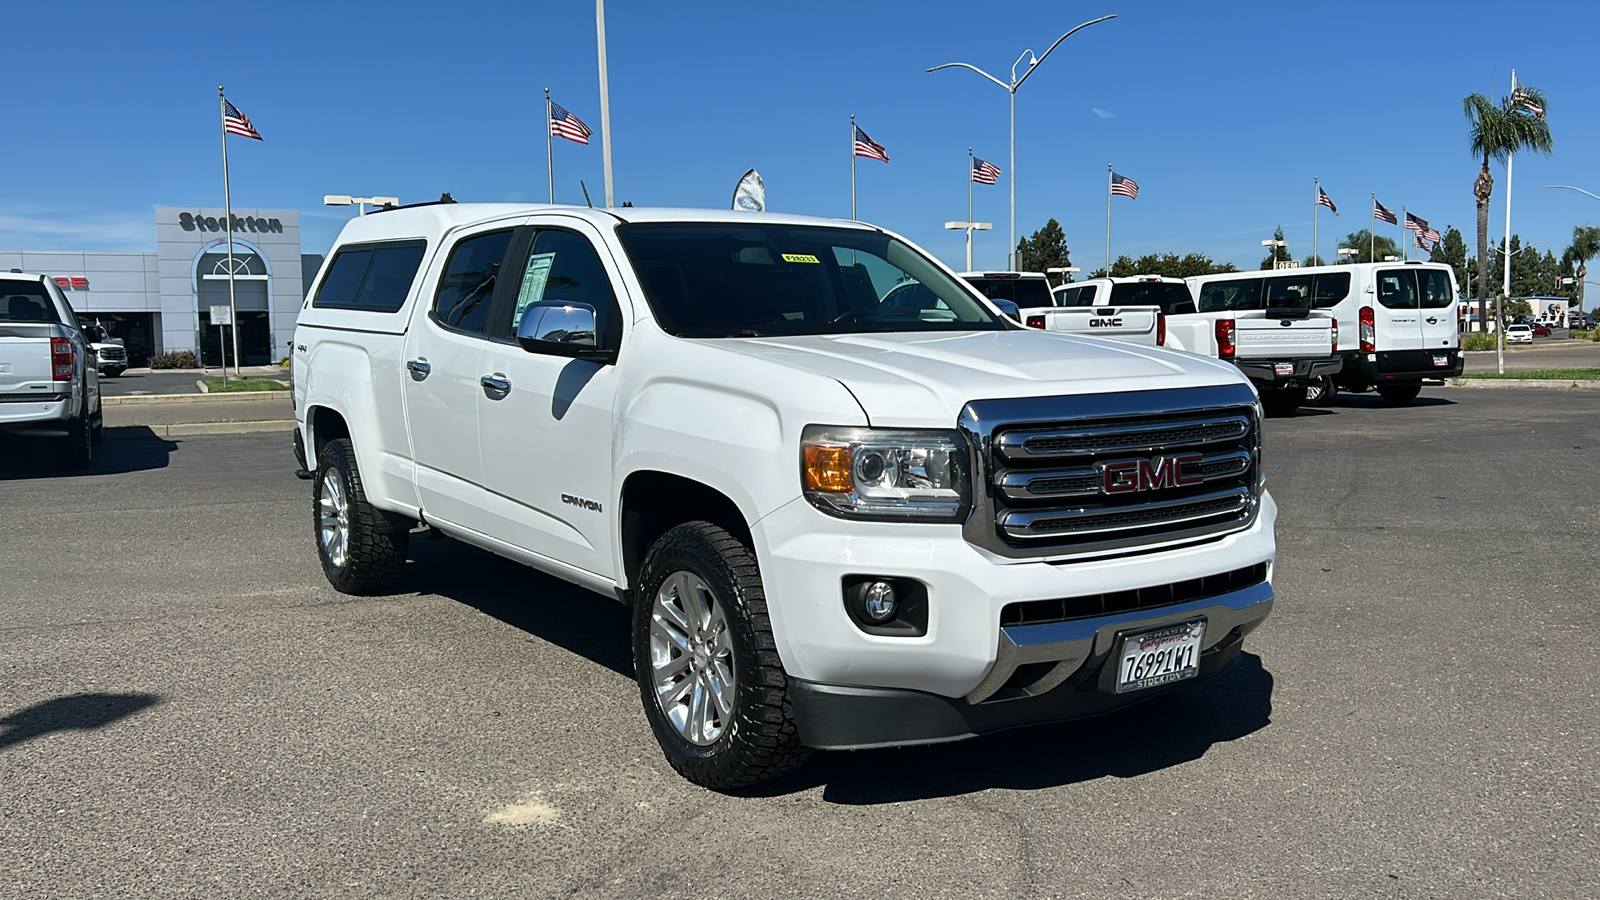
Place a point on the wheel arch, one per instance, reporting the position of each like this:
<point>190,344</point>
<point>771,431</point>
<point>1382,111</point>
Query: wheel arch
<point>652,502</point>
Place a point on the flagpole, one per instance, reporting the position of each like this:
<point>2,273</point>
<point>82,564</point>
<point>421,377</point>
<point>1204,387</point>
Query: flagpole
<point>852,167</point>
<point>969,209</point>
<point>1315,202</point>
<point>1405,219</point>
<point>549,153</point>
<point>1505,289</point>
<point>1372,230</point>
<point>1108,220</point>
<point>227,208</point>
<point>605,98</point>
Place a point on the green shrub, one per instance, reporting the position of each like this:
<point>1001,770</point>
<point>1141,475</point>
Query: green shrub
<point>182,359</point>
<point>1478,340</point>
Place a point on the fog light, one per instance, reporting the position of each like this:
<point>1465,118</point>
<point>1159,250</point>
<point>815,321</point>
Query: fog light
<point>879,601</point>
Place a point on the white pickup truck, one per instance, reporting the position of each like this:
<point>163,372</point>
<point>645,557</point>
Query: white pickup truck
<point>849,504</point>
<point>1073,309</point>
<point>1271,332</point>
<point>49,385</point>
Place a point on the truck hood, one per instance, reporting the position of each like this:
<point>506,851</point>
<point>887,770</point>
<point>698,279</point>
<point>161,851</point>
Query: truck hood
<point>923,379</point>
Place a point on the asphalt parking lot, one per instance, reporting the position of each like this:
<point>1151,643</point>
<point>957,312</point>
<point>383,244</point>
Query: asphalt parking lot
<point>187,709</point>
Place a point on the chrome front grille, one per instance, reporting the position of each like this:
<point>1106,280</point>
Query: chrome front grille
<point>112,353</point>
<point>1112,472</point>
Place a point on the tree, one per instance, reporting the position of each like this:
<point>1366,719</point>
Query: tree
<point>1279,253</point>
<point>1313,260</point>
<point>1496,133</point>
<point>1452,250</point>
<point>1585,246</point>
<point>1046,249</point>
<point>1367,247</point>
<point>1170,265</point>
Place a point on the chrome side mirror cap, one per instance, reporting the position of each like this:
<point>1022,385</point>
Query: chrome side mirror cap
<point>559,328</point>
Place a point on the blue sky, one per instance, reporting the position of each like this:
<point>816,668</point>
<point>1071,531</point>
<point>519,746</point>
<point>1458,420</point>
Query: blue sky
<point>1221,111</point>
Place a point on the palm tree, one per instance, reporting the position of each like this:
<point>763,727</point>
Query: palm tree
<point>1585,246</point>
<point>1497,132</point>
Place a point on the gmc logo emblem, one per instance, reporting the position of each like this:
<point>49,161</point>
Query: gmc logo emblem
<point>1106,323</point>
<point>1129,475</point>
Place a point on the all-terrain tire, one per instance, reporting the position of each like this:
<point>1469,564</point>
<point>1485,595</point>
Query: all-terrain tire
<point>1399,394</point>
<point>372,552</point>
<point>759,741</point>
<point>75,453</point>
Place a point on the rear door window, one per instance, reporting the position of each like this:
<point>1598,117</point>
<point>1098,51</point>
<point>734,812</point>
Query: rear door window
<point>1397,288</point>
<point>563,266</point>
<point>467,285</point>
<point>1329,289</point>
<point>1436,291</point>
<point>1086,294</point>
<point>26,301</point>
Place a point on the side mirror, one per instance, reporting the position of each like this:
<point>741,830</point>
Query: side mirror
<point>559,328</point>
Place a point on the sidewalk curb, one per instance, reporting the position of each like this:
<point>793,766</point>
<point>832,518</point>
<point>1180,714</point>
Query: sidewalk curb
<point>1523,384</point>
<point>228,397</point>
<point>188,429</point>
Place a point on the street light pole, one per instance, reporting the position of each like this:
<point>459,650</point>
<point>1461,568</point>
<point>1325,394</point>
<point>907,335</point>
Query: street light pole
<point>1012,90</point>
<point>1499,313</point>
<point>969,227</point>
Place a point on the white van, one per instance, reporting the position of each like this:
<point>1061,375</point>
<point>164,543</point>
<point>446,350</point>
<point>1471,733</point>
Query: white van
<point>1397,320</point>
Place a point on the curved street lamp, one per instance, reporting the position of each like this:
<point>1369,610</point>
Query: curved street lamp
<point>1012,90</point>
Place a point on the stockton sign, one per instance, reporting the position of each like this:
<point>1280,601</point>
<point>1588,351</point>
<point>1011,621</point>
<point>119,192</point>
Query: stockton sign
<point>197,222</point>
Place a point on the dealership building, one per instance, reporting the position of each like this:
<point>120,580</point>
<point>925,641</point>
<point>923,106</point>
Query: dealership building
<point>162,302</point>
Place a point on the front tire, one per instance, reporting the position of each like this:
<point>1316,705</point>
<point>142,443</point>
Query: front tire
<point>713,688</point>
<point>362,548</point>
<point>1399,394</point>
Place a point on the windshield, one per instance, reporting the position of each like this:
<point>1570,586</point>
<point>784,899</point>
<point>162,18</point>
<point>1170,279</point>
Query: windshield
<point>715,280</point>
<point>1024,292</point>
<point>1172,298</point>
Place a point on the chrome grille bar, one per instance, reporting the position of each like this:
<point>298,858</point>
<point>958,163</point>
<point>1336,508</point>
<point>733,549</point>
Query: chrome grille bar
<point>1087,481</point>
<point>1134,437</point>
<point>1084,521</point>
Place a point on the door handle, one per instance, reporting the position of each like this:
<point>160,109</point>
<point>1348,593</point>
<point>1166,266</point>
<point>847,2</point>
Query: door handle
<point>419,367</point>
<point>497,382</point>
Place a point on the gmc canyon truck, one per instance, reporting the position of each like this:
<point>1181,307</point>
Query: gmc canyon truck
<point>49,385</point>
<point>848,503</point>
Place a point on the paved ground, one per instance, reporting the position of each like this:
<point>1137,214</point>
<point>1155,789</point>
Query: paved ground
<point>186,709</point>
<point>1544,353</point>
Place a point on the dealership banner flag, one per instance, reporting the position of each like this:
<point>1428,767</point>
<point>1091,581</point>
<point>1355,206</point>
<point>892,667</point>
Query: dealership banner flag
<point>750,193</point>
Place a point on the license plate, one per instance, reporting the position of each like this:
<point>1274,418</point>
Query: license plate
<point>1441,360</point>
<point>1164,656</point>
<point>1283,368</point>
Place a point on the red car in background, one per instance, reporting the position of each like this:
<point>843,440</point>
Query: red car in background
<point>1539,329</point>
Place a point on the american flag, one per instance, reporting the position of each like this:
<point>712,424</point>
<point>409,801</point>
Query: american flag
<point>1322,200</point>
<point>566,125</point>
<point>1422,244</point>
<point>1416,223</point>
<point>1431,235</point>
<point>1126,187</point>
<point>1520,98</point>
<point>984,172</point>
<point>235,122</point>
<point>871,149</point>
<point>1382,214</point>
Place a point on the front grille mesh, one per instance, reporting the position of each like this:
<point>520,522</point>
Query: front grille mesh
<point>1193,474</point>
<point>1065,609</point>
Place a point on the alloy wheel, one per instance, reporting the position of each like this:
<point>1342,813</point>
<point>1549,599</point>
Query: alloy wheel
<point>691,658</point>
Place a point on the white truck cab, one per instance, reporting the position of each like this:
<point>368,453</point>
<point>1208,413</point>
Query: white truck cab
<point>49,386</point>
<point>849,504</point>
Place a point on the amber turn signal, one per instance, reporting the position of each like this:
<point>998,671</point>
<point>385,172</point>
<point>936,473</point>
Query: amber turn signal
<point>827,468</point>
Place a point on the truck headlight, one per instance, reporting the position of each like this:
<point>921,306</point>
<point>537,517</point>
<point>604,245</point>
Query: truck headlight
<point>870,473</point>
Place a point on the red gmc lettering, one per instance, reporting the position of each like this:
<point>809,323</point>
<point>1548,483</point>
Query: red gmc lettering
<point>1151,474</point>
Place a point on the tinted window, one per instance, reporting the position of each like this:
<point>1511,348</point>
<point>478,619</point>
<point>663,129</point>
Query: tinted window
<point>1065,296</point>
<point>1436,290</point>
<point>375,278</point>
<point>25,301</point>
<point>468,281</point>
<point>1086,294</point>
<point>1222,296</point>
<point>1285,291</point>
<point>755,280</point>
<point>1024,292</point>
<point>1171,298</point>
<point>1330,288</point>
<point>564,266</point>
<point>1397,288</point>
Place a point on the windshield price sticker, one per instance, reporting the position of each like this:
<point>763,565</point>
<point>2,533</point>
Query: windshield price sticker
<point>801,258</point>
<point>1164,656</point>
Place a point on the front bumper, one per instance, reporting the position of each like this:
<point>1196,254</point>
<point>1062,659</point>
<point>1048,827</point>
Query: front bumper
<point>965,655</point>
<point>1402,366</point>
<point>1273,374</point>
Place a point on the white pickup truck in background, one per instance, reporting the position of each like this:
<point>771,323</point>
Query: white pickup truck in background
<point>849,503</point>
<point>49,385</point>
<point>1273,336</point>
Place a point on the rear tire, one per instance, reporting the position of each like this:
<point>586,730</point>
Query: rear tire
<point>362,548</point>
<point>713,688</point>
<point>1283,402</point>
<point>1399,394</point>
<point>75,447</point>
<point>1321,392</point>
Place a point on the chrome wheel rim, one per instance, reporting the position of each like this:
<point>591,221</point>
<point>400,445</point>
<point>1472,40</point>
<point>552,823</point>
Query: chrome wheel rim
<point>333,519</point>
<point>691,659</point>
